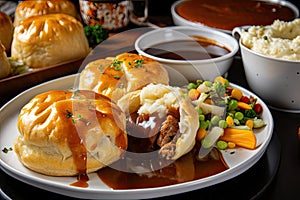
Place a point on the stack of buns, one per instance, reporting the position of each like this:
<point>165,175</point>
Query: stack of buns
<point>58,128</point>
<point>44,33</point>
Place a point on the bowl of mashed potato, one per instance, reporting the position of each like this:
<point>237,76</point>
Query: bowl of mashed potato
<point>271,59</point>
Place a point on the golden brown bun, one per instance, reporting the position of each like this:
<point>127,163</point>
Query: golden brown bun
<point>6,31</point>
<point>5,66</point>
<point>60,129</point>
<point>127,72</point>
<point>27,9</point>
<point>47,40</point>
<point>159,99</point>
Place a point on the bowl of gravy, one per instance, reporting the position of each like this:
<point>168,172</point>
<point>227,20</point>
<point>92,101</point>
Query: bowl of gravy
<point>196,53</point>
<point>225,15</point>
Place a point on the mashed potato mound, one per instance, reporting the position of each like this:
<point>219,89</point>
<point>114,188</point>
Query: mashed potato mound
<point>279,40</point>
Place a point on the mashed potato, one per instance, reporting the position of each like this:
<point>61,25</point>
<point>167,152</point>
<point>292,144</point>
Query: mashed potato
<point>280,39</point>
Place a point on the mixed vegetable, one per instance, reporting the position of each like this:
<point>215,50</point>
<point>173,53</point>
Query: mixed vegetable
<point>227,116</point>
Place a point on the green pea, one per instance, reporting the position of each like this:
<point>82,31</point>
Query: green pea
<point>239,115</point>
<point>222,123</point>
<point>222,145</point>
<point>191,86</point>
<point>215,119</point>
<point>199,110</point>
<point>208,83</point>
<point>204,124</point>
<point>201,117</point>
<point>230,114</point>
<point>232,105</point>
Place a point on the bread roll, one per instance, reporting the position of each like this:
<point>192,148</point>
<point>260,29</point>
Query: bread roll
<point>155,103</point>
<point>5,66</point>
<point>64,133</point>
<point>6,31</point>
<point>27,9</point>
<point>127,72</point>
<point>47,40</point>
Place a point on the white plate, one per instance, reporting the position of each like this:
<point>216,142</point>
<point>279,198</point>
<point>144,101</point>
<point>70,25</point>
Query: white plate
<point>238,162</point>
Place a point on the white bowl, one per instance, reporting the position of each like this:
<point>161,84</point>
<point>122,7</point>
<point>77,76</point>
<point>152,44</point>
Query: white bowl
<point>181,21</point>
<point>274,80</point>
<point>206,69</point>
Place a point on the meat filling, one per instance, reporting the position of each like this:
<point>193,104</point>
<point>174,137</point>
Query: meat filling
<point>165,136</point>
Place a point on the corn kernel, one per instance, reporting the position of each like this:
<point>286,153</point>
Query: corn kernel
<point>231,145</point>
<point>249,123</point>
<point>229,121</point>
<point>236,93</point>
<point>194,94</point>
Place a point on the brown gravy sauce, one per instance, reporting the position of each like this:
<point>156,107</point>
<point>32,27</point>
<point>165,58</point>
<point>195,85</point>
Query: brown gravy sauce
<point>121,174</point>
<point>186,168</point>
<point>227,14</point>
<point>198,48</point>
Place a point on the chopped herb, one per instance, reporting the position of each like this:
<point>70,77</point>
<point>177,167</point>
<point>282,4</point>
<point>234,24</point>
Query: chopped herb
<point>116,65</point>
<point>138,63</point>
<point>129,63</point>
<point>117,77</point>
<point>101,69</point>
<point>6,150</point>
<point>69,114</point>
<point>265,37</point>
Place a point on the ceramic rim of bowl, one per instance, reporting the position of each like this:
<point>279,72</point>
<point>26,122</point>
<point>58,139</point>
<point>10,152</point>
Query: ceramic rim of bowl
<point>198,31</point>
<point>197,24</point>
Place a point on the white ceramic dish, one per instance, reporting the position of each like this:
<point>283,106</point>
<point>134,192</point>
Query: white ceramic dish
<point>275,80</point>
<point>206,69</point>
<point>238,162</point>
<point>180,21</point>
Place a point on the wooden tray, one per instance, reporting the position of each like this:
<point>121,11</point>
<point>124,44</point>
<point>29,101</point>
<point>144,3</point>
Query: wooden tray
<point>12,86</point>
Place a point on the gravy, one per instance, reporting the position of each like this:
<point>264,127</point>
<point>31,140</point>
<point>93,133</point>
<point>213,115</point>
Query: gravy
<point>198,49</point>
<point>227,14</point>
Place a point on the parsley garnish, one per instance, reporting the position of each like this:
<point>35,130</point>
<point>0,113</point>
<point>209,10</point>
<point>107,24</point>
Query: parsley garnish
<point>6,150</point>
<point>138,63</point>
<point>116,65</point>
<point>117,77</point>
<point>101,69</point>
<point>69,114</point>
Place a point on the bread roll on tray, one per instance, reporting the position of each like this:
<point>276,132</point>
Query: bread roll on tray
<point>127,72</point>
<point>47,40</point>
<point>5,66</point>
<point>6,31</point>
<point>65,133</point>
<point>27,9</point>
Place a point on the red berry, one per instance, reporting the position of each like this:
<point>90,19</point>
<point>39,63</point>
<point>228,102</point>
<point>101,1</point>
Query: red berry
<point>258,108</point>
<point>245,99</point>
